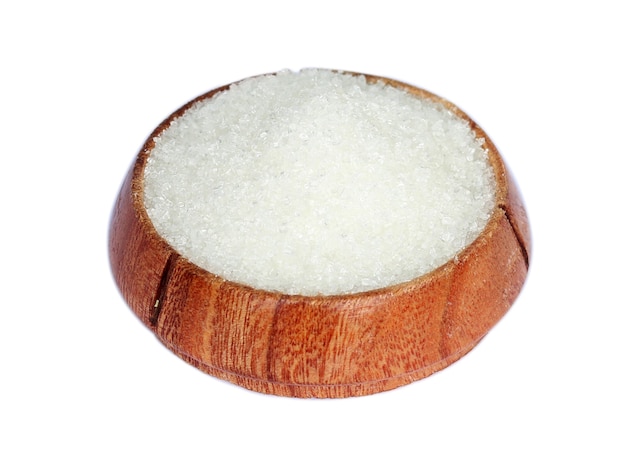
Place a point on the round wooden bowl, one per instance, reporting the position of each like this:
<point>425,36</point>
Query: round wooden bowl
<point>325,346</point>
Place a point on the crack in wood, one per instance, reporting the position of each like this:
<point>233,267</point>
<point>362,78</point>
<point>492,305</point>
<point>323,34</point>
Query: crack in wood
<point>518,235</point>
<point>159,299</point>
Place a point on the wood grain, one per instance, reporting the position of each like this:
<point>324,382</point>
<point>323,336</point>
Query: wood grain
<point>333,346</point>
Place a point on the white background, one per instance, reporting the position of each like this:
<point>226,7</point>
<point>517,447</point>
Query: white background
<point>82,84</point>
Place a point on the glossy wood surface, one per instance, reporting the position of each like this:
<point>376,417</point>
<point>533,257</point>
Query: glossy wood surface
<point>334,346</point>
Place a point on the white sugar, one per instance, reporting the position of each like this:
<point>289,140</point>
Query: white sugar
<point>317,182</point>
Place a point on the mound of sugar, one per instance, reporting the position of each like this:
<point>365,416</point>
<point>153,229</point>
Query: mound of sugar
<point>317,182</point>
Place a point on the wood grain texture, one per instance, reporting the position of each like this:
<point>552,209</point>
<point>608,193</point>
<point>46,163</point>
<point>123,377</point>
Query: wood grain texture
<point>333,346</point>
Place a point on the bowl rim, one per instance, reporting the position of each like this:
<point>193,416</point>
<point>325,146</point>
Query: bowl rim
<point>494,159</point>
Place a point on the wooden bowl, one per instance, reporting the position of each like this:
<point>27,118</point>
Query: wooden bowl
<point>326,346</point>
